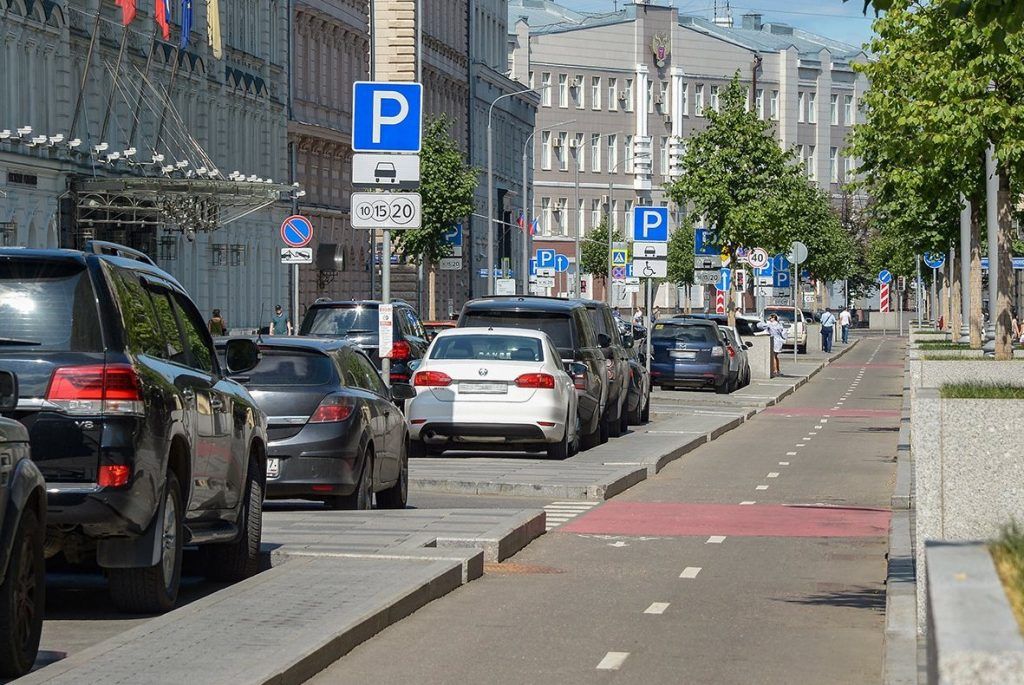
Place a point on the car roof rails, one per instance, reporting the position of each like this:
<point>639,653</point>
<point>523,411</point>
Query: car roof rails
<point>103,247</point>
<point>398,299</point>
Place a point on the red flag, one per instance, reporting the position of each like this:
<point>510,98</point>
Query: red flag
<point>162,13</point>
<point>127,10</point>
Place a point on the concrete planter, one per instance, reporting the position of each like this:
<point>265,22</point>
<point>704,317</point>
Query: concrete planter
<point>933,373</point>
<point>928,336</point>
<point>973,638</point>
<point>916,353</point>
<point>968,471</point>
<point>760,356</point>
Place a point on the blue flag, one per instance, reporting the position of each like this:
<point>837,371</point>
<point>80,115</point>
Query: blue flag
<point>186,22</point>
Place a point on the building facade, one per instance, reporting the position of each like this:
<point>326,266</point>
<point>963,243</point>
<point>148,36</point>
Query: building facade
<point>91,148</point>
<point>635,85</point>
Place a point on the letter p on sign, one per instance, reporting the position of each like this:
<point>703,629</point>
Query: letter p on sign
<point>650,224</point>
<point>387,117</point>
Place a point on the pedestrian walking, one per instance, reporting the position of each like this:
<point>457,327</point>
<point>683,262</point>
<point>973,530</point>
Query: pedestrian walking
<point>778,334</point>
<point>217,325</point>
<point>656,314</point>
<point>279,323</point>
<point>844,323</point>
<point>828,327</point>
<point>638,317</point>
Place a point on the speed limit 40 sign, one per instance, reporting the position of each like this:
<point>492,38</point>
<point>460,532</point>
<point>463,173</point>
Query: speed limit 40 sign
<point>386,210</point>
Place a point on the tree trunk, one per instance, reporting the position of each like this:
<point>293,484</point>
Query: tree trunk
<point>954,296</point>
<point>1004,302</point>
<point>942,293</point>
<point>432,292</point>
<point>975,285</point>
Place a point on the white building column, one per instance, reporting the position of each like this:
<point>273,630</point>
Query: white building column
<point>642,139</point>
<point>675,150</point>
<point>823,130</point>
<point>789,105</point>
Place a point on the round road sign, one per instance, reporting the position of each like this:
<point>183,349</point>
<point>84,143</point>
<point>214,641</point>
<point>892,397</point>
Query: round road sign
<point>296,231</point>
<point>934,260</point>
<point>884,276</point>
<point>758,258</point>
<point>797,252</point>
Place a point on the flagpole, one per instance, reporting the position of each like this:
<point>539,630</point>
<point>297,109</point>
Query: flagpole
<point>110,98</point>
<point>142,89</point>
<point>167,97</point>
<point>85,76</point>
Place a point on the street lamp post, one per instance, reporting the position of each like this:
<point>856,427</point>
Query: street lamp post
<point>526,206</point>
<point>490,185</point>
<point>965,271</point>
<point>611,180</point>
<point>992,219</point>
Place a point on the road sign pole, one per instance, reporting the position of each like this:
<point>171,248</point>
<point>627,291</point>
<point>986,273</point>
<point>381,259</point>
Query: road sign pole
<point>934,304</point>
<point>793,288</point>
<point>650,333</point>
<point>295,298</point>
<point>385,296</point>
<point>917,260</point>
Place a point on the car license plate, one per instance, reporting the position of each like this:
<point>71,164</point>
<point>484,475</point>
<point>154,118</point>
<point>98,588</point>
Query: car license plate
<point>683,354</point>
<point>273,467</point>
<point>483,388</point>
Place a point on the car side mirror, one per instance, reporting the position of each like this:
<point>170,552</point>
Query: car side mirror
<point>8,391</point>
<point>241,355</point>
<point>414,364</point>
<point>627,341</point>
<point>402,391</point>
<point>748,344</point>
<point>603,340</point>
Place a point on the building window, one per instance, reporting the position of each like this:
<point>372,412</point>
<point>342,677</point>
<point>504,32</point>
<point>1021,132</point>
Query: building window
<point>801,107</point>
<point>581,94</point>
<point>664,155</point>
<point>774,106</point>
<point>628,216</point>
<point>833,110</point>
<point>833,164</point>
<point>759,103</point>
<point>848,110</point>
<point>613,153</point>
<point>686,98</point>
<point>650,97</point>
<point>627,150</point>
<point>663,106</point>
<point>714,98</point>
<point>545,146</point>
<point>532,82</point>
<point>629,95</point>
<point>595,212</point>
<point>812,163</point>
<point>545,85</point>
<point>613,94</point>
<point>580,217</point>
<point>563,90</point>
<point>595,92</point>
<point>812,108</point>
<point>698,100</point>
<point>560,216</point>
<point>579,144</point>
<point>848,170</point>
<point>595,152</point>
<point>545,213</point>
<point>615,214</point>
<point>560,152</point>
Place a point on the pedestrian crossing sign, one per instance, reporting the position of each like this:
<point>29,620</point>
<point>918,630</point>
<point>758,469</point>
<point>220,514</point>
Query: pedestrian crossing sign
<point>620,256</point>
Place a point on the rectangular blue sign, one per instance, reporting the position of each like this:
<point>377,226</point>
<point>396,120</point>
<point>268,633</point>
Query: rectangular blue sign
<point>650,224</point>
<point>387,117</point>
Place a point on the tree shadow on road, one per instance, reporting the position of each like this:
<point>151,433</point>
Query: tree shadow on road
<point>846,596</point>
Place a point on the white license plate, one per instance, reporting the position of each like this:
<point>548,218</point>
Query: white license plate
<point>483,388</point>
<point>683,354</point>
<point>273,467</point>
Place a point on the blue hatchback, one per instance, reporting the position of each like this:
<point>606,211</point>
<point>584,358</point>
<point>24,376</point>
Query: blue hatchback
<point>689,353</point>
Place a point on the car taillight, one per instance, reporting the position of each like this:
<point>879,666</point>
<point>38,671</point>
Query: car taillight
<point>399,378</point>
<point>732,352</point>
<point>332,409</point>
<point>431,379</point>
<point>400,351</point>
<point>536,380</point>
<point>579,380</point>
<point>96,389</point>
<point>717,351</point>
<point>113,476</point>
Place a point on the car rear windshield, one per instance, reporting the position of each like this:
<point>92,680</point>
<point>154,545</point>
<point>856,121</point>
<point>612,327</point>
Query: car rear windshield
<point>508,348</point>
<point>784,313</point>
<point>684,333</point>
<point>340,321</point>
<point>290,367</point>
<point>557,326</point>
<point>47,306</point>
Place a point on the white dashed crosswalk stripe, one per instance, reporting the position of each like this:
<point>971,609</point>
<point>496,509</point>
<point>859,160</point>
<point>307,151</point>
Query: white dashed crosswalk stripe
<point>559,513</point>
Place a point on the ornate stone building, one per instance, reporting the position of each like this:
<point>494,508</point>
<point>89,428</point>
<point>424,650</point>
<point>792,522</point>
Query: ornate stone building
<point>108,156</point>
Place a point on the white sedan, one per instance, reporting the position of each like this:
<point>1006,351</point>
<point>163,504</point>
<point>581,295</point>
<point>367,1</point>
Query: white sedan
<point>493,388</point>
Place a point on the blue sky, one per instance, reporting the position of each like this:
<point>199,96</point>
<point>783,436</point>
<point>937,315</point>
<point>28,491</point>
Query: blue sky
<point>832,18</point>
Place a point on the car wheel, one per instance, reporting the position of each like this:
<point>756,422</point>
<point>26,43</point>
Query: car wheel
<point>802,349</point>
<point>645,415</point>
<point>577,438</point>
<point>154,589</point>
<point>361,498</point>
<point>636,415</point>
<point>234,561</point>
<point>417,449</point>
<point>723,387</point>
<point>22,599</point>
<point>397,496</point>
<point>624,417</point>
<point>602,432</point>
<point>560,450</point>
<point>613,422</point>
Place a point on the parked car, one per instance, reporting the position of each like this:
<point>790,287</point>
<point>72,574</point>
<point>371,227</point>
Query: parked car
<point>22,532</point>
<point>434,327</point>
<point>689,353</point>
<point>499,387</point>
<point>746,324</point>
<point>568,324</point>
<point>795,334</point>
<point>335,433</point>
<point>144,442</point>
<point>638,400</point>
<point>739,364</point>
<point>356,321</point>
<point>616,413</point>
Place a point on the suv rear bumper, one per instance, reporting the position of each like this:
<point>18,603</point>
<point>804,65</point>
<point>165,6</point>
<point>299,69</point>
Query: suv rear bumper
<point>101,512</point>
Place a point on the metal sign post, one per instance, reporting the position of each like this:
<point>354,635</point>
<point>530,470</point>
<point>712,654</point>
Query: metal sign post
<point>797,254</point>
<point>296,232</point>
<point>650,333</point>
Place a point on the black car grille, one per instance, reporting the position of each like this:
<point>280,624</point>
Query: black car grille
<point>282,431</point>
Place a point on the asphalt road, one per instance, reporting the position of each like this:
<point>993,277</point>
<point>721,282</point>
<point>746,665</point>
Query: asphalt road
<point>758,558</point>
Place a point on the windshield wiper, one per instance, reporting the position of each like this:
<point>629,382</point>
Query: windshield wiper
<point>357,330</point>
<point>18,341</point>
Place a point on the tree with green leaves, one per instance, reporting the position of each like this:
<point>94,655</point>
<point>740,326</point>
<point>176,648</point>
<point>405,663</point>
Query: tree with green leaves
<point>680,254</point>
<point>1000,18</point>
<point>447,185</point>
<point>594,250</point>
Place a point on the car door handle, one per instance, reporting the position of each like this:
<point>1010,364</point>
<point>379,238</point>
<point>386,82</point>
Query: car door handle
<point>189,394</point>
<point>216,403</point>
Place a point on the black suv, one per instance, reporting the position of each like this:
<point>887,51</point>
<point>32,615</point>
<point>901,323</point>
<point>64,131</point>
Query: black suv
<point>616,413</point>
<point>22,530</point>
<point>145,444</point>
<point>568,324</point>
<point>356,321</point>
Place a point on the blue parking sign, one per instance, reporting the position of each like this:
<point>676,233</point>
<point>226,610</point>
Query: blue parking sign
<point>781,279</point>
<point>546,258</point>
<point>650,224</point>
<point>387,117</point>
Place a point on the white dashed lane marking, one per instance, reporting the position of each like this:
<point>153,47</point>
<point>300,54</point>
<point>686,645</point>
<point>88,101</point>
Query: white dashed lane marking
<point>612,661</point>
<point>690,572</point>
<point>773,474</point>
<point>656,608</point>
<point>558,513</point>
<point>747,502</point>
<point>761,487</point>
<point>715,540</point>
